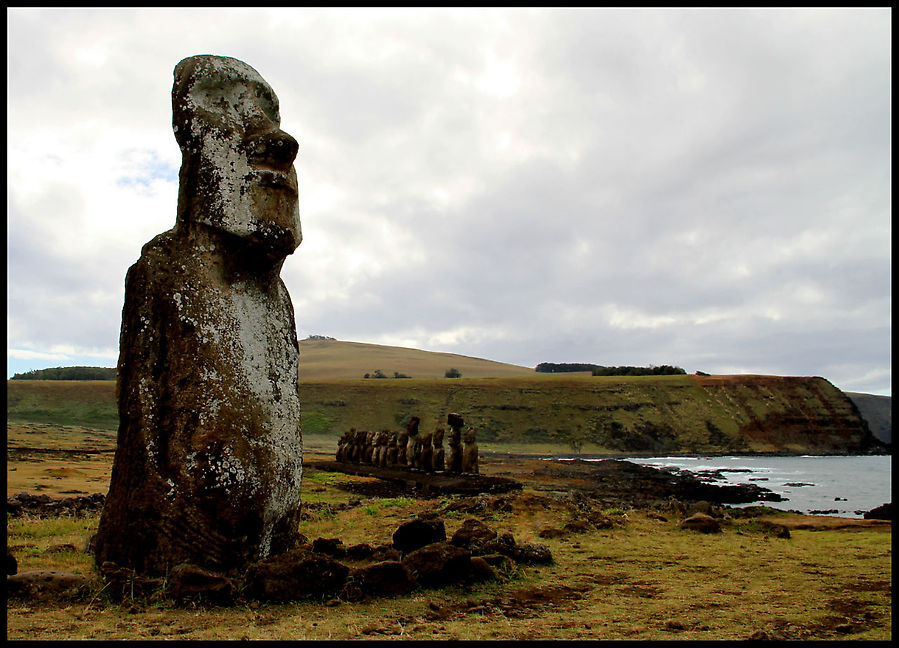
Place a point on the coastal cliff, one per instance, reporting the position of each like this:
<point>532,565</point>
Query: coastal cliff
<point>644,414</point>
<point>601,415</point>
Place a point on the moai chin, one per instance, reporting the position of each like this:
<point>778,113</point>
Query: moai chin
<point>208,463</point>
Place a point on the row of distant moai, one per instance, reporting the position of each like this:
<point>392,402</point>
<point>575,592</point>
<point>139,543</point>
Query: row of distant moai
<point>409,449</point>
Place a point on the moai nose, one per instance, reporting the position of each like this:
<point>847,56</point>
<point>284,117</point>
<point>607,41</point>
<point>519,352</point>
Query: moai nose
<point>274,148</point>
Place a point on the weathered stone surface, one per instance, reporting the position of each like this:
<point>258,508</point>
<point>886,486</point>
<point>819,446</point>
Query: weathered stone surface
<point>454,441</point>
<point>499,562</point>
<point>532,553</point>
<point>480,570</point>
<point>331,546</point>
<point>438,564</point>
<point>208,463</point>
<point>387,578</point>
<point>46,584</point>
<point>472,533</point>
<point>470,452</point>
<point>702,523</point>
<point>359,551</point>
<point>295,575</point>
<point>385,552</point>
<point>417,533</point>
<point>189,581</point>
<point>12,565</point>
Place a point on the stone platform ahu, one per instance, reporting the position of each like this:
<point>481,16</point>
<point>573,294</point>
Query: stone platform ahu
<point>208,463</point>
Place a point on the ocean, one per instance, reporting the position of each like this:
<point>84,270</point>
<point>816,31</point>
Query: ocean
<point>845,486</point>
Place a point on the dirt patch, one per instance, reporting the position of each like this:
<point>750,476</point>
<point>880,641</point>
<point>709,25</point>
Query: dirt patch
<point>523,603</point>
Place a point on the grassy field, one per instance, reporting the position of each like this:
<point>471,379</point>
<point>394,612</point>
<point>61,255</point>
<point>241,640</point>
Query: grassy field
<point>643,579</point>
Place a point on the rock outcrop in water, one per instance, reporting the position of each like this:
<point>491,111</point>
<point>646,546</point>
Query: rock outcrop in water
<point>208,462</point>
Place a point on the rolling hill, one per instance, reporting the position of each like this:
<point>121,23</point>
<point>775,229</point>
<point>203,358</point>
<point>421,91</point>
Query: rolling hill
<point>329,359</point>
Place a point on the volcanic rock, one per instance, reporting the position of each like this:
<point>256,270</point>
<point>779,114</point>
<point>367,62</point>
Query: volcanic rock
<point>186,581</point>
<point>438,564</point>
<point>295,575</point>
<point>415,534</point>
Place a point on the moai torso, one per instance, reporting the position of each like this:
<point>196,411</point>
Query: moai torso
<point>438,456</point>
<point>413,444</point>
<point>391,450</point>
<point>454,454</point>
<point>470,453</point>
<point>367,447</point>
<point>402,444</point>
<point>426,453</point>
<point>208,464</point>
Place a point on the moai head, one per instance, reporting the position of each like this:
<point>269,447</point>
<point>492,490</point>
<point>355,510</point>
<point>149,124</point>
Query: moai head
<point>470,435</point>
<point>412,426</point>
<point>237,172</point>
<point>438,436</point>
<point>425,440</point>
<point>391,439</point>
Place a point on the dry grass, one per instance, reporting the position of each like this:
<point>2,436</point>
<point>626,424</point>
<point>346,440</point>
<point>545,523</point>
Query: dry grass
<point>645,580</point>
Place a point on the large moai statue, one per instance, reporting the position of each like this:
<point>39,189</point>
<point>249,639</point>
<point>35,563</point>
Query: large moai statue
<point>454,455</point>
<point>438,456</point>
<point>208,462</point>
<point>470,453</point>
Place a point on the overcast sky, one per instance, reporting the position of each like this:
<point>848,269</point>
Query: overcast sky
<point>703,188</point>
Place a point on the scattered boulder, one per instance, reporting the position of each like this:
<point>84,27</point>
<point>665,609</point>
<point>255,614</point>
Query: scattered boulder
<point>439,563</point>
<point>532,554</point>
<point>295,575</point>
<point>415,534</point>
<point>702,523</point>
<point>499,562</point>
<point>386,578</point>
<point>480,570</point>
<point>331,546</point>
<point>46,585</point>
<point>551,532</point>
<point>472,533</point>
<point>189,581</point>
<point>359,551</point>
<point>385,552</point>
<point>882,512</point>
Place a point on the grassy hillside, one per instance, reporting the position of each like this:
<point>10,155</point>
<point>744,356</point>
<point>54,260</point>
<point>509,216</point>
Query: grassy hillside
<point>540,413</point>
<point>330,359</point>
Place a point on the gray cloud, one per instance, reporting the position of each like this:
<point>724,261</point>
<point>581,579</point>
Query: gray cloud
<point>708,188</point>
